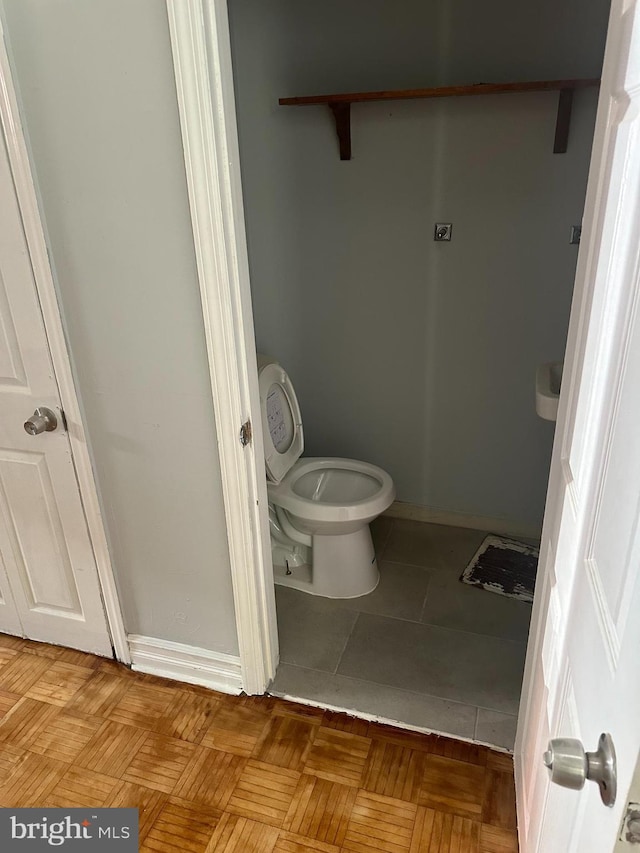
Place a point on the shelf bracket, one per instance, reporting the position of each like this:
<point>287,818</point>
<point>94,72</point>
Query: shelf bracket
<point>563,122</point>
<point>342,114</point>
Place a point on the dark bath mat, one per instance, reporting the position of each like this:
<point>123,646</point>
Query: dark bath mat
<point>504,566</point>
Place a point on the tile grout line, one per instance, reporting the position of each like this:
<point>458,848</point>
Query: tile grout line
<point>421,621</point>
<point>424,602</point>
<point>402,690</point>
<point>344,648</point>
<point>422,694</point>
<point>462,631</point>
<point>383,547</point>
<point>443,627</point>
<point>495,711</point>
<point>412,565</point>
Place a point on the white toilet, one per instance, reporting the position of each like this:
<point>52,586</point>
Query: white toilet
<point>319,508</point>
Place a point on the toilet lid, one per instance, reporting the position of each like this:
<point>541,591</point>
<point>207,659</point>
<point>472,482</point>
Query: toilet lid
<point>281,421</point>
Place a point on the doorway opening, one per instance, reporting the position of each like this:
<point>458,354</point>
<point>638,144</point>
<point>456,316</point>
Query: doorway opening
<point>415,354</point>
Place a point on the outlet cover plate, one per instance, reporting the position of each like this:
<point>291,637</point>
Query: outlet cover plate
<point>442,232</point>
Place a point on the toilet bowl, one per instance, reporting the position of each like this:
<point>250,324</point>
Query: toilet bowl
<point>319,507</point>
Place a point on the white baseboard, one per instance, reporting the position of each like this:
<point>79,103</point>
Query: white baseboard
<point>501,526</point>
<point>186,663</point>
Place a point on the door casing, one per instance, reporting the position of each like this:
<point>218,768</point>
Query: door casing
<point>201,48</point>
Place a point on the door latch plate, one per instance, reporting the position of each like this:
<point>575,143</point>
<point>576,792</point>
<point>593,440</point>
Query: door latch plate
<point>631,824</point>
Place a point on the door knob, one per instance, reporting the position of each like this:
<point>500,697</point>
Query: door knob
<point>42,420</point>
<point>570,766</point>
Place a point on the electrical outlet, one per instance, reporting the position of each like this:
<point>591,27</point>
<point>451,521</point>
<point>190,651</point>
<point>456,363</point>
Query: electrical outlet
<point>442,232</point>
<point>576,232</point>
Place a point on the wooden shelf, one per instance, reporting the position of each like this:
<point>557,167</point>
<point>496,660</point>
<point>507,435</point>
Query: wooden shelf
<point>340,104</point>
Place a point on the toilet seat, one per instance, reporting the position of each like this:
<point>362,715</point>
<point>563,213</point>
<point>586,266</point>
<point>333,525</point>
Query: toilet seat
<point>321,495</point>
<point>330,490</point>
<point>281,420</point>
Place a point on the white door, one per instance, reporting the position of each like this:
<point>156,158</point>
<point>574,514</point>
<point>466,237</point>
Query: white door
<point>583,666</point>
<point>49,587</point>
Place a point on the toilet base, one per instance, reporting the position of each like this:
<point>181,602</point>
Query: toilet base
<point>343,567</point>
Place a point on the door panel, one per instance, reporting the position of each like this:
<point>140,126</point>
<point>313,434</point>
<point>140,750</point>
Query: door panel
<point>32,532</point>
<point>582,676</point>
<point>48,582</point>
<point>12,371</point>
<point>618,499</point>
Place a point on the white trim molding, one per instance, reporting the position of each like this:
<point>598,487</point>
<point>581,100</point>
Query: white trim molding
<point>186,663</point>
<point>499,526</point>
<point>200,42</point>
<point>34,233</point>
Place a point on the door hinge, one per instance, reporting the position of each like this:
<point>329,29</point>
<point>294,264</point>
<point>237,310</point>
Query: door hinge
<point>246,434</point>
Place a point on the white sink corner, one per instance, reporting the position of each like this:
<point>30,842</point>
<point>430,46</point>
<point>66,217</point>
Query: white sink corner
<point>548,381</point>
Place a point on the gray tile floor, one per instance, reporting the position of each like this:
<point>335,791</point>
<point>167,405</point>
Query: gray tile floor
<point>422,649</point>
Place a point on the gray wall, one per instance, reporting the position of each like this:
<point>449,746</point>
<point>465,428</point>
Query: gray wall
<point>99,105</point>
<point>417,356</point>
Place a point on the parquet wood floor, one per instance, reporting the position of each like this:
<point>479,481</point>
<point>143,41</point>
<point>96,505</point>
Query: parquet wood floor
<point>211,772</point>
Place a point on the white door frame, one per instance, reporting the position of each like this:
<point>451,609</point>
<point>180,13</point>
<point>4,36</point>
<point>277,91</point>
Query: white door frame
<point>201,49</point>
<point>34,233</point>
